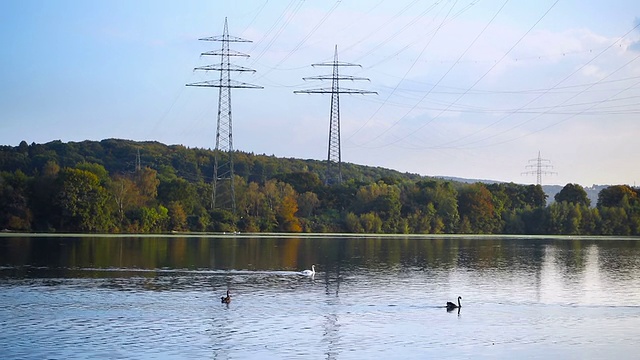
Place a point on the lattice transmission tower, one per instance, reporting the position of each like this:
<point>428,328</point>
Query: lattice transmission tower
<point>223,195</point>
<point>334,159</point>
<point>539,165</point>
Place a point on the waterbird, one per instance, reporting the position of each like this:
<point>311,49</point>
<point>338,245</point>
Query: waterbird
<point>451,306</point>
<point>309,272</point>
<point>225,300</point>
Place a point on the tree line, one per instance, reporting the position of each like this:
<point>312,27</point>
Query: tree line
<point>102,187</point>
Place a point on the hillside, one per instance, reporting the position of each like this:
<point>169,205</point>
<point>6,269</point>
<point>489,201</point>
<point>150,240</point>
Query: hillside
<point>140,187</point>
<point>120,157</point>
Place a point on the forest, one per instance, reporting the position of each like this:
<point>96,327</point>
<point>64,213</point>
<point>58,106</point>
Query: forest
<point>123,186</point>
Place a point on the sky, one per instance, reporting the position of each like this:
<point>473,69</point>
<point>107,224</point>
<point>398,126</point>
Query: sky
<point>465,88</point>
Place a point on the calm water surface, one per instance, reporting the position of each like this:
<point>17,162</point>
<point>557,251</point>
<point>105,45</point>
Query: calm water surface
<point>159,297</point>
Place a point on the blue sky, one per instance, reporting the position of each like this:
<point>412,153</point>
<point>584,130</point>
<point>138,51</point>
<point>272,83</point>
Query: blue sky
<point>472,88</point>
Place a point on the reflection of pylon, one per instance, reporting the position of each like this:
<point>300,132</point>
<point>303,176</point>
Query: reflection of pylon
<point>334,161</point>
<point>539,167</point>
<point>223,163</point>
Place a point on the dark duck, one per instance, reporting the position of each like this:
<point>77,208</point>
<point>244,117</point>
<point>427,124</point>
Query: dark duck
<point>227,299</point>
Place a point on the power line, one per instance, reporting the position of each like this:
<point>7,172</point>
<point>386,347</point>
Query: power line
<point>424,96</point>
<point>279,32</point>
<point>255,16</point>
<point>544,93</point>
<point>424,48</point>
<point>451,90</point>
<point>429,33</point>
<point>581,112</point>
<point>379,28</point>
<point>546,110</point>
<point>315,28</point>
<point>481,77</point>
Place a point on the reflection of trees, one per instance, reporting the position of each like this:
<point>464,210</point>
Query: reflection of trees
<point>296,253</point>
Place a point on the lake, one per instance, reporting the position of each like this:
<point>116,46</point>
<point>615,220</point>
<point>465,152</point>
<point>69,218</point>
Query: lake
<point>158,297</point>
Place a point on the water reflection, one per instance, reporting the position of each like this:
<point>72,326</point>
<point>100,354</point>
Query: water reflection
<point>549,270</point>
<point>91,256</point>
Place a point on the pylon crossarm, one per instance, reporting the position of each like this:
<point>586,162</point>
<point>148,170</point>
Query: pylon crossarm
<point>331,77</point>
<point>230,84</point>
<point>228,38</point>
<point>336,63</point>
<point>220,53</point>
<point>219,67</point>
<point>332,91</point>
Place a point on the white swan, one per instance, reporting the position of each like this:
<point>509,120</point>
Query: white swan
<point>309,272</point>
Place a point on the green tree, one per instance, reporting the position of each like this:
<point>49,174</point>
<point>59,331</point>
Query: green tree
<point>419,223</point>
<point>42,197</point>
<point>535,196</point>
<point>178,190</point>
<point>97,169</point>
<point>302,181</point>
<point>82,202</point>
<point>445,201</point>
<point>352,223</point>
<point>565,218</point>
<point>371,223</point>
<point>574,194</point>
<point>253,202</point>
<point>15,213</point>
<point>616,196</point>
<point>536,220</point>
<point>308,202</point>
<point>383,200</point>
<point>614,221</point>
<point>514,223</point>
<point>150,219</point>
<point>590,220</point>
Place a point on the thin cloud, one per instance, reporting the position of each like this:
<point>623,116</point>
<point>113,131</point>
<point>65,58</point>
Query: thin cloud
<point>635,45</point>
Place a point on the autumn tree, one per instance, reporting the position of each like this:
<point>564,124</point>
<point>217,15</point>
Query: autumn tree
<point>177,217</point>
<point>125,194</point>
<point>147,181</point>
<point>476,205</point>
<point>287,214</point>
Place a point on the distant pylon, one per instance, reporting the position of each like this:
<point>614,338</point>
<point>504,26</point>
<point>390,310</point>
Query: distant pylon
<point>223,154</point>
<point>138,162</point>
<point>334,160</point>
<point>539,166</point>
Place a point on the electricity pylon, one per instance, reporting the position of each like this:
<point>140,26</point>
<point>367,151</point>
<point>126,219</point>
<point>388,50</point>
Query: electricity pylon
<point>539,166</point>
<point>334,160</point>
<point>223,154</point>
